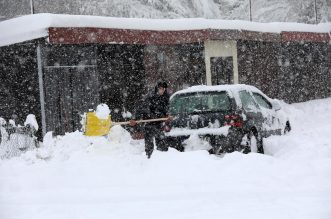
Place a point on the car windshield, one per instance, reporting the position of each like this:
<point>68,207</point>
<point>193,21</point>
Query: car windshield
<point>191,103</point>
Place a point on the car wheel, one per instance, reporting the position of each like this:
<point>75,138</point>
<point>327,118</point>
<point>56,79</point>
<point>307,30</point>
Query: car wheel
<point>254,143</point>
<point>287,128</point>
<point>217,147</point>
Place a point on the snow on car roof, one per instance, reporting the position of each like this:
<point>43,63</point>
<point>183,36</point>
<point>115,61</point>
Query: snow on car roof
<point>204,88</point>
<point>35,26</point>
<point>232,88</point>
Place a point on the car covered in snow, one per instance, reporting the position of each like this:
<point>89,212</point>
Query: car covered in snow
<point>230,117</point>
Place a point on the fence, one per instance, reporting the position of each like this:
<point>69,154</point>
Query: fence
<point>15,140</point>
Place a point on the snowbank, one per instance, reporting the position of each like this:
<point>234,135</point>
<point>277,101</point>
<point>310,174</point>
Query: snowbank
<point>102,111</point>
<point>36,26</point>
<point>32,121</point>
<point>85,177</point>
<point>202,131</point>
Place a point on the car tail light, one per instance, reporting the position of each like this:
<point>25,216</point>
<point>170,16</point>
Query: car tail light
<point>233,120</point>
<point>166,127</point>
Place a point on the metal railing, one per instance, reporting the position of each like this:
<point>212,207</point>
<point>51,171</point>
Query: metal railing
<point>15,140</point>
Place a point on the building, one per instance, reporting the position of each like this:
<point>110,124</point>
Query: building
<point>60,66</point>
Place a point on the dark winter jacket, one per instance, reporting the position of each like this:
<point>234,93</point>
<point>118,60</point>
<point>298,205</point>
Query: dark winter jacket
<point>154,106</point>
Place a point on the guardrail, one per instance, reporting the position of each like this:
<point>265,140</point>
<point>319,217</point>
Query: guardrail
<point>15,140</point>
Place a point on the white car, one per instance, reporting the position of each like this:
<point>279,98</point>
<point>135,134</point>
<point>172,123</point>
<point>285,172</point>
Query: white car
<point>230,117</point>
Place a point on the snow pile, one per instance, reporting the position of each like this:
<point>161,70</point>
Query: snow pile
<point>31,121</point>
<point>102,111</point>
<point>127,115</point>
<point>12,122</point>
<point>35,26</point>
<point>311,124</point>
<point>84,177</point>
<point>119,135</point>
<point>224,130</point>
<point>194,143</point>
<point>61,148</point>
<point>2,121</point>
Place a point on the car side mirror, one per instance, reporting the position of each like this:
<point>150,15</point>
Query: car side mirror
<point>275,105</point>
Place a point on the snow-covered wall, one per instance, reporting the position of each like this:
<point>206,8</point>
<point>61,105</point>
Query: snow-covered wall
<point>262,10</point>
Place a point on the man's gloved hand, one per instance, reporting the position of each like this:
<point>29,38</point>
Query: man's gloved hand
<point>170,118</point>
<point>132,122</point>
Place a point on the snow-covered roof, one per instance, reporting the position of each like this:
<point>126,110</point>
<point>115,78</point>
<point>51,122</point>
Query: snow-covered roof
<point>207,88</point>
<point>35,26</point>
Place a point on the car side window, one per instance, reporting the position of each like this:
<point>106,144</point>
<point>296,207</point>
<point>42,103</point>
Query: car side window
<point>247,101</point>
<point>263,102</point>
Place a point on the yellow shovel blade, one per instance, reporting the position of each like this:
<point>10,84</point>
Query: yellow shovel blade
<point>95,126</point>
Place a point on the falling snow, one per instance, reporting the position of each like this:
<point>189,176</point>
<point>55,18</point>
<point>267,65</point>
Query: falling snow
<point>62,59</point>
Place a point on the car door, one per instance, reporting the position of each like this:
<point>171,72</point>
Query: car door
<point>251,110</point>
<point>270,123</point>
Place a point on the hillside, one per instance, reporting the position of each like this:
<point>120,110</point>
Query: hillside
<point>262,10</point>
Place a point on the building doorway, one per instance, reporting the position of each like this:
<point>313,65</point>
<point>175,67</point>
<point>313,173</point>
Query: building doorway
<point>221,70</point>
<point>71,86</point>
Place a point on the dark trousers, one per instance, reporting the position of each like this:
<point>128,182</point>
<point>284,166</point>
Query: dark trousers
<point>153,131</point>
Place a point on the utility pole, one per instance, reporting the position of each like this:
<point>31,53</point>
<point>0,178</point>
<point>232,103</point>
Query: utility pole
<point>315,7</point>
<point>250,10</point>
<point>32,6</point>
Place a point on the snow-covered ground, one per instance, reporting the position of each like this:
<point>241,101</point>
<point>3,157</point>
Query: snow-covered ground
<point>80,177</point>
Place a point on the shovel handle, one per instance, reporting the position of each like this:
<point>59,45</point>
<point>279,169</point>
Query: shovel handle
<point>140,121</point>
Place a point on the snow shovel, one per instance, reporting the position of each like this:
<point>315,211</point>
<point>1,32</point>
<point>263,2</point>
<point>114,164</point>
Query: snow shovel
<point>140,121</point>
<point>94,126</point>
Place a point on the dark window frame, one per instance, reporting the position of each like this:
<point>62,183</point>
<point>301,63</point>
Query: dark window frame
<point>203,93</point>
<point>263,99</point>
<point>253,101</point>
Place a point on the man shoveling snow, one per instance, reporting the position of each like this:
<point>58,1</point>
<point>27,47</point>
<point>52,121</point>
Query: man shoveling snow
<point>155,106</point>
